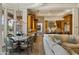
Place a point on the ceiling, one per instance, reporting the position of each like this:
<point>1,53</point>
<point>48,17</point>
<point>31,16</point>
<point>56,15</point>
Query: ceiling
<point>20,5</point>
<point>39,6</point>
<point>53,12</point>
<point>48,10</point>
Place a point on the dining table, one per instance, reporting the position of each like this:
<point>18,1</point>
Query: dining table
<point>19,41</point>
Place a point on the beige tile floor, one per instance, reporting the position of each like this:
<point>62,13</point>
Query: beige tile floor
<point>38,46</point>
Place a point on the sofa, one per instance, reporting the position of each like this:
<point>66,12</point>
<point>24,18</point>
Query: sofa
<point>68,42</point>
<point>52,48</point>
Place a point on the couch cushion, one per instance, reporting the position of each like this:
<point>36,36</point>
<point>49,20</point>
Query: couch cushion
<point>64,38</point>
<point>70,45</point>
<point>72,39</point>
<point>76,50</point>
<point>77,39</point>
<point>58,37</point>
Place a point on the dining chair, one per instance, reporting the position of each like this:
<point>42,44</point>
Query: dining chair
<point>8,46</point>
<point>30,43</point>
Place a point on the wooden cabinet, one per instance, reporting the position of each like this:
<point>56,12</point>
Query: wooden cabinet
<point>34,23</point>
<point>46,26</point>
<point>68,20</point>
<point>31,23</point>
<point>60,24</point>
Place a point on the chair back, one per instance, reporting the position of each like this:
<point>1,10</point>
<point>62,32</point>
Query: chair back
<point>30,41</point>
<point>8,42</point>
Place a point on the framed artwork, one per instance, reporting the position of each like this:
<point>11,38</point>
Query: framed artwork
<point>39,27</point>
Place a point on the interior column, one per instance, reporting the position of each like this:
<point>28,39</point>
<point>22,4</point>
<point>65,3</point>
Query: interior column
<point>25,21</point>
<point>75,21</point>
<point>5,22</point>
<point>1,27</point>
<point>15,22</point>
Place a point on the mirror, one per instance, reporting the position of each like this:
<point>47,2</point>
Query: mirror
<point>10,22</point>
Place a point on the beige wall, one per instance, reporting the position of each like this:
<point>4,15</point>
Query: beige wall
<point>41,20</point>
<point>75,22</point>
<point>0,28</point>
